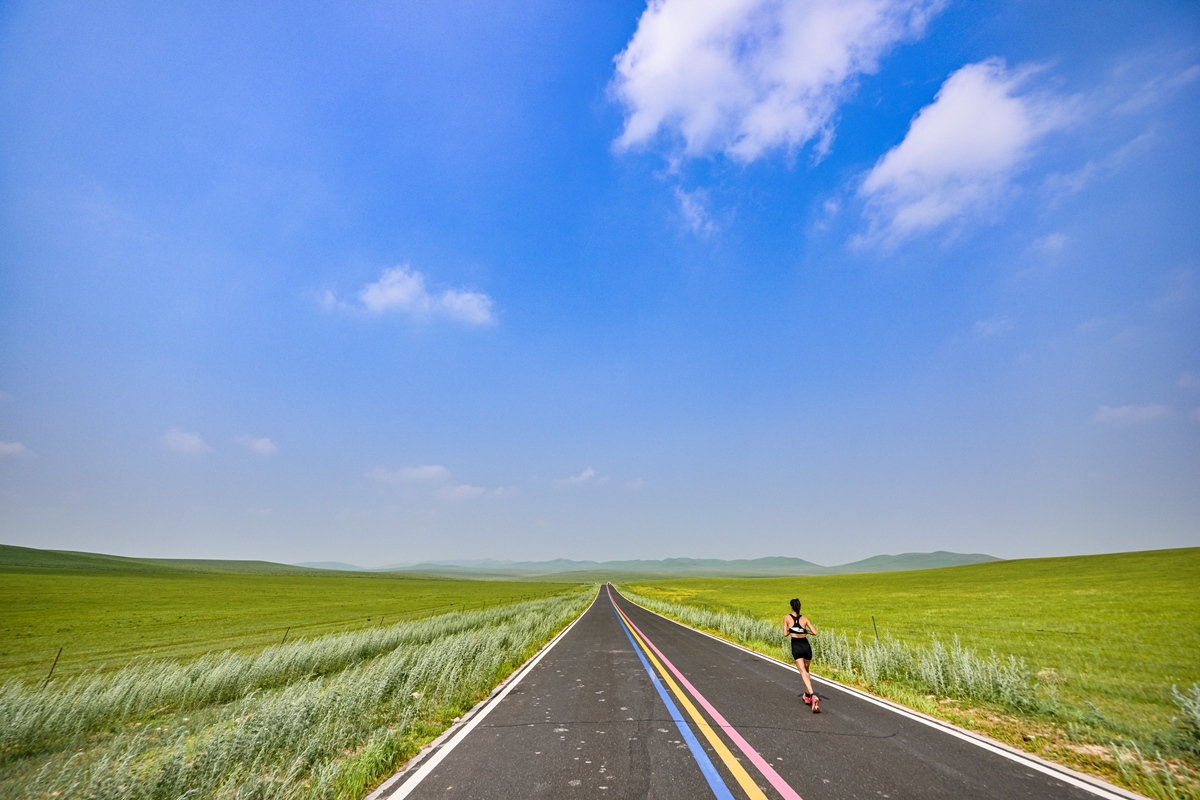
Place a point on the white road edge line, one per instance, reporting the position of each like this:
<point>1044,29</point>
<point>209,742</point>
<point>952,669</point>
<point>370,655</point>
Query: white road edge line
<point>471,719</point>
<point>1065,774</point>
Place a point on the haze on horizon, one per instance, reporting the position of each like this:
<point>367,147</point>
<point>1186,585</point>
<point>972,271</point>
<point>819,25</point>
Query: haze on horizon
<point>377,283</point>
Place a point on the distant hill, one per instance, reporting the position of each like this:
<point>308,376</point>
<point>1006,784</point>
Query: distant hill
<point>560,569</point>
<point>14,556</point>
<point>340,566</point>
<point>906,561</point>
<point>669,567</point>
<point>771,567</point>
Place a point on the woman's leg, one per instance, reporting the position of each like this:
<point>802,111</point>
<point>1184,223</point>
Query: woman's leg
<point>802,665</point>
<point>816,701</point>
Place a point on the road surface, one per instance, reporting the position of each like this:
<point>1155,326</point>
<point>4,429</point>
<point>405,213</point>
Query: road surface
<point>627,704</point>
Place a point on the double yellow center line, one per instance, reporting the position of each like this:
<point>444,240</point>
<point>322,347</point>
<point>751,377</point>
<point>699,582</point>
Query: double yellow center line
<point>739,772</point>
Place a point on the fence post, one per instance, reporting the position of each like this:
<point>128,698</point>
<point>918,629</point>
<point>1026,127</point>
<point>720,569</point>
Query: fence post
<point>876,627</point>
<point>52,666</point>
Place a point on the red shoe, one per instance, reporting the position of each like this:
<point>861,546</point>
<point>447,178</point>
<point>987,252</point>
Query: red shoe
<point>808,699</point>
<point>816,704</point>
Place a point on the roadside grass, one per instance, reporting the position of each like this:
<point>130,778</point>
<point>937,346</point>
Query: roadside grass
<point>102,619</point>
<point>1091,661</point>
<point>324,717</point>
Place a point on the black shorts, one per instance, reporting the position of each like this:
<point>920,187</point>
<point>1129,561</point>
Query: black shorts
<point>801,649</point>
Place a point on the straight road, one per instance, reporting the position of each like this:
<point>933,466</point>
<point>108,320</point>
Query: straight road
<point>628,704</point>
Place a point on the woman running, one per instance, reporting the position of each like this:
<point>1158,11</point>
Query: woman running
<point>799,627</point>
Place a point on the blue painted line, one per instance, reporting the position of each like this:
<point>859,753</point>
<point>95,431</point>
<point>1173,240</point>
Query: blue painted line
<point>706,766</point>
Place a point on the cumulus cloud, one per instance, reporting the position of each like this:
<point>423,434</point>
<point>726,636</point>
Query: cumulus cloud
<point>13,450</point>
<point>402,289</point>
<point>184,443</point>
<point>434,473</point>
<point>1130,415</point>
<point>587,476</point>
<point>961,152</point>
<point>745,77</point>
<point>264,446</point>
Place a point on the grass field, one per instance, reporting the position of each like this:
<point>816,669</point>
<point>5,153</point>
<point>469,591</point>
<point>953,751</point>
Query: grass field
<point>103,618</point>
<point>320,718</point>
<point>1110,635</point>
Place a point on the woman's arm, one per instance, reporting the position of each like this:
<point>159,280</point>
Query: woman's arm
<point>787,625</point>
<point>808,625</point>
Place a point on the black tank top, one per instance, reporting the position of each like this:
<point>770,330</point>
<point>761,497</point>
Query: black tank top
<point>796,628</point>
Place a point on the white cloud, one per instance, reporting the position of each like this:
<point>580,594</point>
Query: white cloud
<point>1158,89</point>
<point>463,492</point>
<point>1189,380</point>
<point>430,476</point>
<point>1051,243</point>
<point>587,476</point>
<point>434,473</point>
<point>330,301</point>
<point>986,328</point>
<point>582,477</point>
<point>403,289</point>
<point>13,450</point>
<point>693,207</point>
<point>264,446</point>
<point>1130,415</point>
<point>188,444</point>
<point>744,77</point>
<point>1058,185</point>
<point>961,152</point>
<point>472,308</point>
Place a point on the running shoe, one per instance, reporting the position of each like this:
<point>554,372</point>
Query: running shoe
<point>816,704</point>
<point>808,698</point>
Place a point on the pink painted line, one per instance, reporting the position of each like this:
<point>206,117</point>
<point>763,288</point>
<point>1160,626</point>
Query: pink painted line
<point>771,775</point>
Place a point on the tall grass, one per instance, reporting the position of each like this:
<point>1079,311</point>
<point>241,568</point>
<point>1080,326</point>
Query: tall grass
<point>1188,721</point>
<point>327,717</point>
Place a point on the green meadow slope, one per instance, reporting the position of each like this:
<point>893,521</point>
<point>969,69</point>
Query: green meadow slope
<point>14,556</point>
<point>103,618</point>
<point>1117,630</point>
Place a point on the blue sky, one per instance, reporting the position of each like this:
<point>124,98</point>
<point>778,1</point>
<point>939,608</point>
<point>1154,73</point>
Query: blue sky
<point>379,282</point>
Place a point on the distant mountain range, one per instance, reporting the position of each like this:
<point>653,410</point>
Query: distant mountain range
<point>775,566</point>
<point>489,569</point>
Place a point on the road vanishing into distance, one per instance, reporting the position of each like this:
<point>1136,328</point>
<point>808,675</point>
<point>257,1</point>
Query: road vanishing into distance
<point>628,704</point>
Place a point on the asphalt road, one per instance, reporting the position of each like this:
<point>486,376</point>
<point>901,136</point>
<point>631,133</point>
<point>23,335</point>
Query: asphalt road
<point>588,720</point>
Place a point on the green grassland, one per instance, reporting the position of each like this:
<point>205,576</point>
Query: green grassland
<point>103,618</point>
<point>319,718</point>
<point>1117,630</point>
